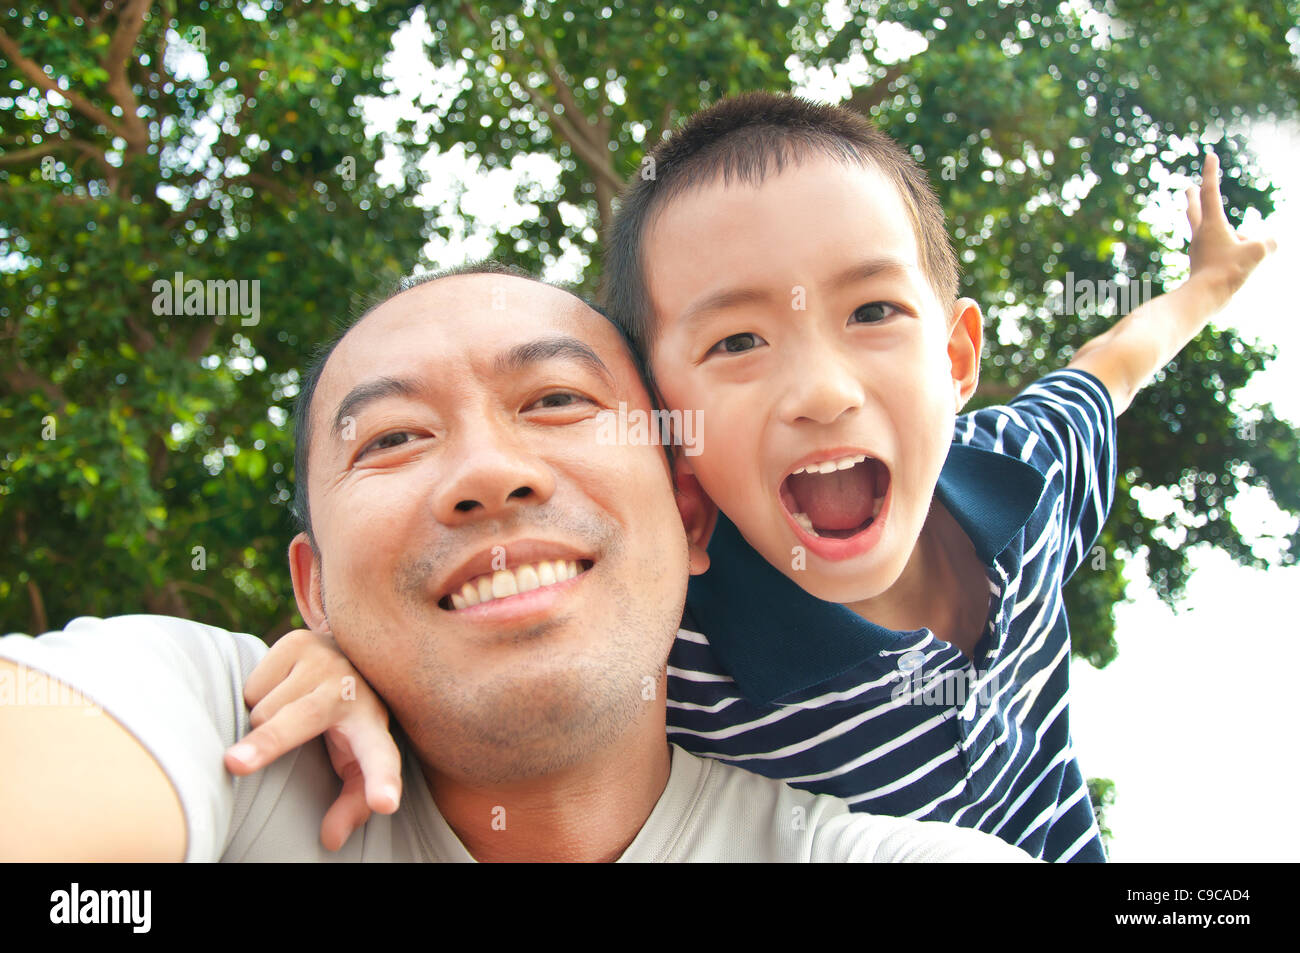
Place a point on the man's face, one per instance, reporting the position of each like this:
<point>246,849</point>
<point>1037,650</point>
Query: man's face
<point>454,460</point>
<point>794,316</point>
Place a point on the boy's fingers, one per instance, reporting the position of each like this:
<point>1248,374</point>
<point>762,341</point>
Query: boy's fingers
<point>1211,203</point>
<point>271,703</point>
<point>380,762</point>
<point>271,671</point>
<point>299,684</point>
<point>1194,208</point>
<point>293,725</point>
<point>346,814</point>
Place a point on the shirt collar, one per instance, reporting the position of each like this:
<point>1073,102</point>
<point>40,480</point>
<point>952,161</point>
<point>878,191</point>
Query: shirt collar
<point>774,639</point>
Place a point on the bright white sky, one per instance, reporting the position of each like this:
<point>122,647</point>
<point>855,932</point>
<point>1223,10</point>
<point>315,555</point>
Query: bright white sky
<point>1193,720</point>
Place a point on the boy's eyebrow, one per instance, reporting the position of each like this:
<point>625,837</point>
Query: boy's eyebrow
<point>886,265</point>
<point>865,270</point>
<point>721,301</point>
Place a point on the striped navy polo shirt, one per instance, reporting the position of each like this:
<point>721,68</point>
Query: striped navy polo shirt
<point>767,677</point>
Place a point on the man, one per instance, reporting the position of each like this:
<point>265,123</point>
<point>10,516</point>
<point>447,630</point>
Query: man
<point>507,582</point>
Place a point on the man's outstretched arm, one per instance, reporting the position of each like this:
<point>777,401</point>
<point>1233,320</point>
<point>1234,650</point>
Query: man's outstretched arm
<point>77,786</point>
<point>1125,357</point>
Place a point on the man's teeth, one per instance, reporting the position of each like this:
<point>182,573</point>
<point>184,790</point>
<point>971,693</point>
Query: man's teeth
<point>510,582</point>
<point>830,466</point>
<point>803,520</point>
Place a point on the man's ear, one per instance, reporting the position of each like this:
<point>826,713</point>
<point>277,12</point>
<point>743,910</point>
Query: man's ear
<point>699,514</point>
<point>965,342</point>
<point>304,568</point>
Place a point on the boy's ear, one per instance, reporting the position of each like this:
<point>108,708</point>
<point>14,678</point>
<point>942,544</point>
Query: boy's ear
<point>965,343</point>
<point>304,569</point>
<point>699,514</point>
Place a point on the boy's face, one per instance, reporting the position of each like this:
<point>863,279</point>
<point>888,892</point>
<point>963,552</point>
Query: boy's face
<point>794,316</point>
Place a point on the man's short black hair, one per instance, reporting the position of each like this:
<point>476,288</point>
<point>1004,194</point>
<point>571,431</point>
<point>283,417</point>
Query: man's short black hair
<point>745,139</point>
<point>302,411</point>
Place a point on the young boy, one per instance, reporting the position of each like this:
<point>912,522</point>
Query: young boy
<point>883,618</point>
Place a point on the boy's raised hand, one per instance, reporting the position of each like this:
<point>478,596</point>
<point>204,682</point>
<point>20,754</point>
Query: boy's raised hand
<point>1221,258</point>
<point>1128,354</point>
<point>305,687</point>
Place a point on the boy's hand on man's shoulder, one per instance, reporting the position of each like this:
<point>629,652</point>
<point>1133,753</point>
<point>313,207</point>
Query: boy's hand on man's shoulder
<point>1222,260</point>
<point>306,687</point>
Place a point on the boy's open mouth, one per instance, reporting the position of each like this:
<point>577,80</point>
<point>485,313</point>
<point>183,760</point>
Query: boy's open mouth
<point>839,498</point>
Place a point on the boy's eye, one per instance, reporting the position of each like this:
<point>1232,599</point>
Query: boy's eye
<point>737,343</point>
<point>872,313</point>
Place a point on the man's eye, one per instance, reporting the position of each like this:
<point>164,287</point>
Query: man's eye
<point>388,441</point>
<point>872,313</point>
<point>558,399</point>
<point>737,343</point>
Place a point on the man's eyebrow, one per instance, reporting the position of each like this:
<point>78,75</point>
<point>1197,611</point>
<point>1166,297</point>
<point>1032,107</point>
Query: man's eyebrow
<point>522,356</point>
<point>367,392</point>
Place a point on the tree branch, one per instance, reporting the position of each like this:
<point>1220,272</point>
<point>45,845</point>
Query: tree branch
<point>21,379</point>
<point>22,155</point>
<point>38,76</point>
<point>40,621</point>
<point>119,87</point>
<point>571,124</point>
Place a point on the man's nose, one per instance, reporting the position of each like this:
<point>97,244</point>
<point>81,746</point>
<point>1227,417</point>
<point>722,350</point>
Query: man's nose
<point>821,384</point>
<point>489,472</point>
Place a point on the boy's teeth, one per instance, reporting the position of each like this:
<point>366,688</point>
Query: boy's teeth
<point>803,520</point>
<point>876,507</point>
<point>830,466</point>
<point>510,582</point>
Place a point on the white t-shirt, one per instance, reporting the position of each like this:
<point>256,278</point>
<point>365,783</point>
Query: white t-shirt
<point>178,687</point>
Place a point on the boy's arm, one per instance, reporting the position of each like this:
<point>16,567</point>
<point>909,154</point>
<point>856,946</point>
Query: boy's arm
<point>305,687</point>
<point>1125,357</point>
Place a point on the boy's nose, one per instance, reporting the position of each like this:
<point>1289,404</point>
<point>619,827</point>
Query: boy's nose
<point>822,390</point>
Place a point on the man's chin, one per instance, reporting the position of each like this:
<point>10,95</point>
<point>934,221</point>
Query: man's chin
<point>531,723</point>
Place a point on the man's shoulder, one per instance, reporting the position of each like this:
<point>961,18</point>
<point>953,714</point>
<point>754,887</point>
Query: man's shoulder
<point>138,633</point>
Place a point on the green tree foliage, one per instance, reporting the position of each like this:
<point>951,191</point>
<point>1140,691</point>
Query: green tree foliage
<point>1045,128</point>
<point>146,459</point>
<point>1101,791</point>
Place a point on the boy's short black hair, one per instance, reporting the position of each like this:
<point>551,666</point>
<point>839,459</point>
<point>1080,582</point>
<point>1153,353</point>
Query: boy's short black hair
<point>746,138</point>
<point>300,507</point>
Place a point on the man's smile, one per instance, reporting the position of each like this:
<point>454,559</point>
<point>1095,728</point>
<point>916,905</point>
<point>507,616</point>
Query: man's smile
<point>506,570</point>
